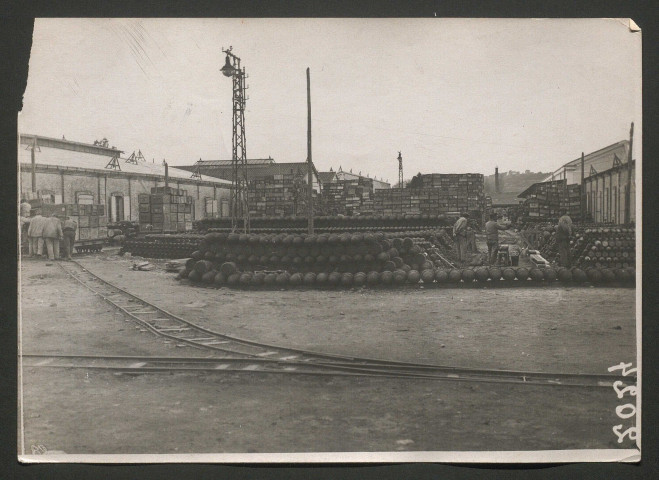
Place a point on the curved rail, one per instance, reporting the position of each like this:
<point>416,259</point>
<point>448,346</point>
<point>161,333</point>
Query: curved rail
<point>184,332</point>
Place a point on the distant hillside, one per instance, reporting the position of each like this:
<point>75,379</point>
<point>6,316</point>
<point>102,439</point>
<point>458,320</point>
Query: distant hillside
<point>512,184</point>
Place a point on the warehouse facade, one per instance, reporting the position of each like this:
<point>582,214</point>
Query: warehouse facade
<point>602,196</point>
<point>594,162</point>
<point>62,171</point>
<point>606,194</point>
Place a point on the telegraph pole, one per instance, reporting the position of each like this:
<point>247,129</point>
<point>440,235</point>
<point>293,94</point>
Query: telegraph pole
<point>34,165</point>
<point>400,179</point>
<point>239,201</point>
<point>309,161</point>
<point>583,190</point>
<point>628,193</point>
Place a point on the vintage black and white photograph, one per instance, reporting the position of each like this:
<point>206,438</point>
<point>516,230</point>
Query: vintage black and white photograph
<point>330,240</point>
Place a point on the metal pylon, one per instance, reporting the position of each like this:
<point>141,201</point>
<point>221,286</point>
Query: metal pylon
<point>239,201</point>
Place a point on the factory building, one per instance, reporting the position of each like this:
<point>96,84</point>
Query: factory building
<point>603,193</point>
<point>63,171</point>
<point>594,162</point>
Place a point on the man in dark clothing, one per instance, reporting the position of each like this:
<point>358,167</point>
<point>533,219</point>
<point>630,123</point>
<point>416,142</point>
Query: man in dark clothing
<point>69,228</point>
<point>563,234</point>
<point>492,235</point>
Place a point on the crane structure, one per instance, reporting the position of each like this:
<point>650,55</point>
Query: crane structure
<point>239,199</point>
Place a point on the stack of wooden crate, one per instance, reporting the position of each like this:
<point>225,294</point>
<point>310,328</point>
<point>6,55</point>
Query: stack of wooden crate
<point>166,209</point>
<point>333,194</point>
<point>571,201</point>
<point>91,219</point>
<point>350,196</point>
<point>278,195</point>
<point>438,194</point>
<point>549,199</point>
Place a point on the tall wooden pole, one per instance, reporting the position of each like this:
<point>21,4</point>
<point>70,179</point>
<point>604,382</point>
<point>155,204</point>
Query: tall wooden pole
<point>628,193</point>
<point>309,161</point>
<point>34,165</point>
<point>583,190</point>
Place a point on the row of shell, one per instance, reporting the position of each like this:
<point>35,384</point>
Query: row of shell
<point>228,275</point>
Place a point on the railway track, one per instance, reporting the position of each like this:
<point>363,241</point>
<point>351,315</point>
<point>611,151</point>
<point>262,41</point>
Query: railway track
<point>233,354</point>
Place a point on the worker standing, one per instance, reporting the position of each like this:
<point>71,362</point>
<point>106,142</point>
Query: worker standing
<point>24,212</point>
<point>460,235</point>
<point>35,235</point>
<point>52,234</point>
<point>492,237</point>
<point>69,231</point>
<point>563,234</point>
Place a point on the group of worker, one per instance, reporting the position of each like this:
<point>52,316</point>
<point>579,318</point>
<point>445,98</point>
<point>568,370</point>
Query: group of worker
<point>464,236</point>
<point>45,235</point>
<point>463,232</point>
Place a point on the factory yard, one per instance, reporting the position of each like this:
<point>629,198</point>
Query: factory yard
<point>551,329</point>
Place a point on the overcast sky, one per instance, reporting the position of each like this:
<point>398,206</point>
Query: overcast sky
<point>452,95</point>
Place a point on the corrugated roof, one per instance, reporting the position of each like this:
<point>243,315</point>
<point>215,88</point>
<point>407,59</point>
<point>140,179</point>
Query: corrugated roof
<point>64,144</point>
<point>593,158</point>
<point>327,177</point>
<point>90,161</point>
<point>227,163</point>
<point>253,171</point>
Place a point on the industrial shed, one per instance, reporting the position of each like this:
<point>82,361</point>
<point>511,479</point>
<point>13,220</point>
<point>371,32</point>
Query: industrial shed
<point>63,171</point>
<point>594,162</point>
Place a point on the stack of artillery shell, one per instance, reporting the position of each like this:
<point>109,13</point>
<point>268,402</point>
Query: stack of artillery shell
<point>347,260</point>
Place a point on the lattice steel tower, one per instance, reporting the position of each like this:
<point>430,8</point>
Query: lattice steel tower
<point>239,201</point>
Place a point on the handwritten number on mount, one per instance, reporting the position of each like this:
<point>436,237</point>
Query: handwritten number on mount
<point>623,366</point>
<point>631,432</point>
<point>627,410</point>
<point>620,409</point>
<point>621,392</point>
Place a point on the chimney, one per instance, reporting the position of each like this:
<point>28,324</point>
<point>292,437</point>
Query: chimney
<point>166,174</point>
<point>496,179</point>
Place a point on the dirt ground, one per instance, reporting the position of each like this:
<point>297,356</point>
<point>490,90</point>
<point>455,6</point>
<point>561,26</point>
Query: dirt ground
<point>551,329</point>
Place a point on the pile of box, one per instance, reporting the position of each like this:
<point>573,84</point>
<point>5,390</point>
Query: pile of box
<point>166,209</point>
<point>278,195</point>
<point>91,219</point>
<point>551,198</point>
<point>438,194</point>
